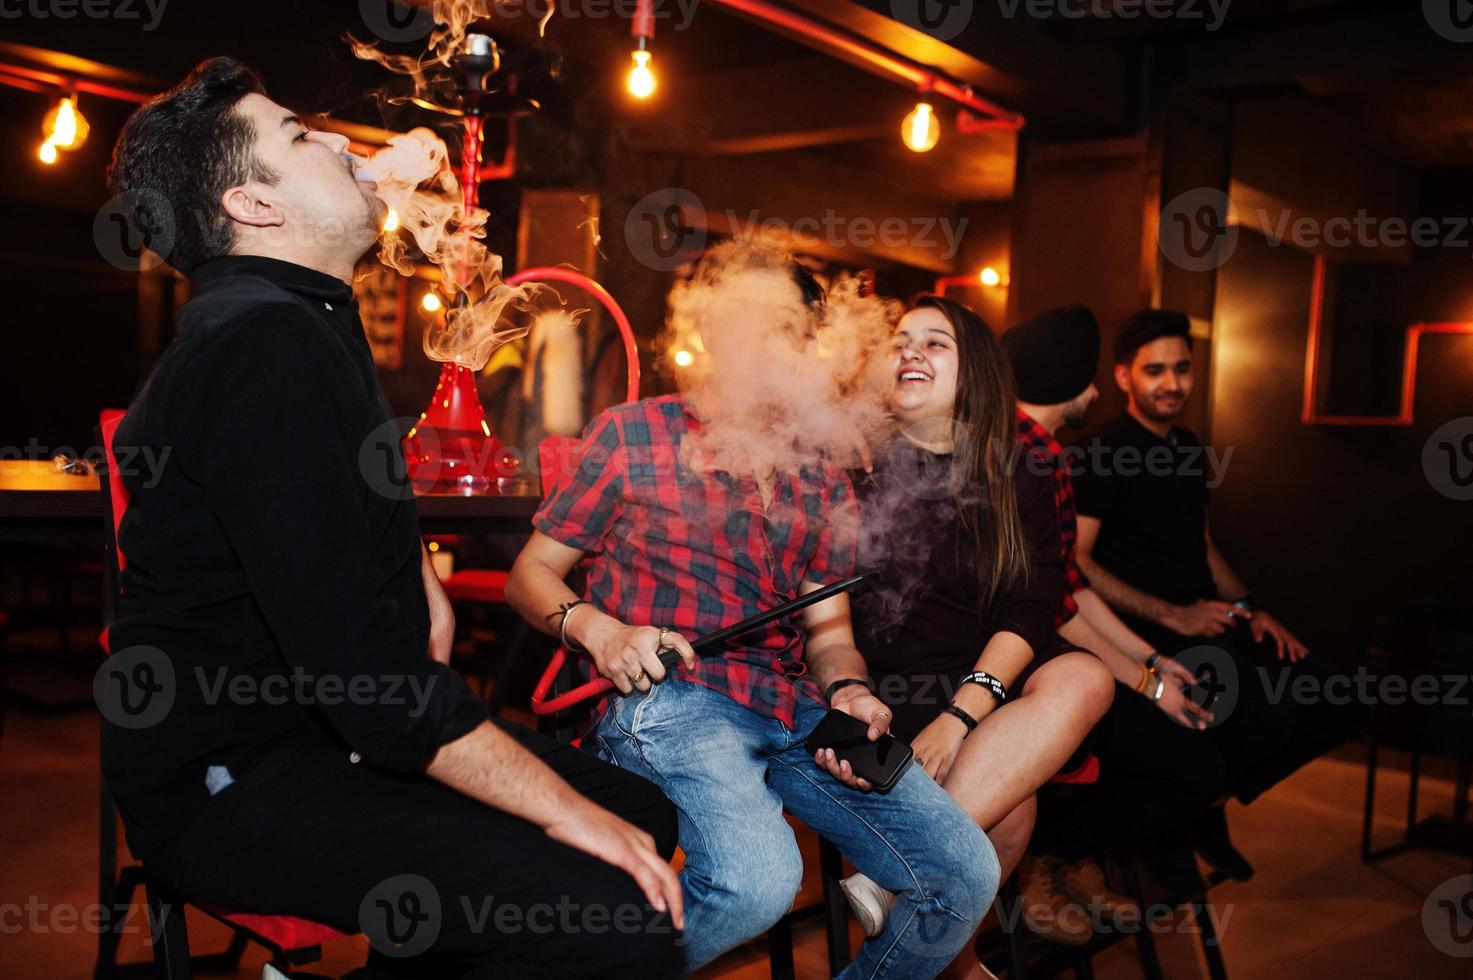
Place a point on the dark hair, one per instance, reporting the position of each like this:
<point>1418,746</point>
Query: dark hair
<point>179,153</point>
<point>1146,326</point>
<point>814,295</point>
<point>985,414</point>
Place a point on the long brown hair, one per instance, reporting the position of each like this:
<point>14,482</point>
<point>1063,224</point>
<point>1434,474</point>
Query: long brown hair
<point>985,426</point>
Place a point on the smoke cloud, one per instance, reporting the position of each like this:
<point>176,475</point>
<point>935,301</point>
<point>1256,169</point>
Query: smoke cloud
<point>776,384</point>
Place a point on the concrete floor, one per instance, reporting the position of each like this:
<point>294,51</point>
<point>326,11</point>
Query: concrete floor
<point>1313,911</point>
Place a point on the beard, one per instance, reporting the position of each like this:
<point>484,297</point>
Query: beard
<point>1153,409</point>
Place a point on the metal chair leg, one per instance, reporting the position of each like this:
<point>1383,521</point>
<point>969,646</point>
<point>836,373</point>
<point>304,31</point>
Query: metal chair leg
<point>1211,944</point>
<point>1013,927</point>
<point>780,950</point>
<point>170,933</point>
<point>1145,940</point>
<point>1368,817</point>
<point>1415,772</point>
<point>107,885</point>
<point>836,907</point>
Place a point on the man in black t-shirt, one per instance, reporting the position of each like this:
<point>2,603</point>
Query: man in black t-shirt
<point>1141,487</point>
<point>1142,497</point>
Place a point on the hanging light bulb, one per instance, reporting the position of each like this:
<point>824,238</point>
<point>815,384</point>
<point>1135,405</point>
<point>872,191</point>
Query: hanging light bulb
<point>65,127</point>
<point>47,153</point>
<point>921,129</point>
<point>641,79</point>
<point>391,220</point>
<point>684,358</point>
<point>990,277</point>
<point>431,302</point>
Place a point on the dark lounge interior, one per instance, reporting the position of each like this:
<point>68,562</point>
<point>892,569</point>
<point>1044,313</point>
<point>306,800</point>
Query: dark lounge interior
<point>1295,176</point>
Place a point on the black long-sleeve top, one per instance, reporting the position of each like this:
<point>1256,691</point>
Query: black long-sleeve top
<point>270,556</point>
<point>921,623</point>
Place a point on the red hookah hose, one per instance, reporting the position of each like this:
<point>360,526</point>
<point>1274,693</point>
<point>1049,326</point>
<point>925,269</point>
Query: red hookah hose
<point>626,331</point>
<point>704,646</point>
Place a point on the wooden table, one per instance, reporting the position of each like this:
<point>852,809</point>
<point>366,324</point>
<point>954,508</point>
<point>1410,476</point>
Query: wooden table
<point>76,514</point>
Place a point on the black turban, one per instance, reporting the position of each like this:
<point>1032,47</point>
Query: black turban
<point>1054,354</point>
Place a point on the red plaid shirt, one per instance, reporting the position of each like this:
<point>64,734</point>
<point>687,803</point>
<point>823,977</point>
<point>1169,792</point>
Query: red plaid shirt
<point>1044,451</point>
<point>699,551</point>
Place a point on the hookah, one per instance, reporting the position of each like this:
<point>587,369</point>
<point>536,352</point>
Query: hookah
<point>451,449</point>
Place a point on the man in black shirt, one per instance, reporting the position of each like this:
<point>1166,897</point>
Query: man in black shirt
<point>312,755</point>
<point>1141,490</point>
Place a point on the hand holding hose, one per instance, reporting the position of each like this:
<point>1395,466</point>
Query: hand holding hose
<point>621,653</point>
<point>630,655</point>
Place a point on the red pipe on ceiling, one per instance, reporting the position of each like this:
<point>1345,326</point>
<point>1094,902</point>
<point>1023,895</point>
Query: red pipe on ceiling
<point>828,37</point>
<point>23,74</point>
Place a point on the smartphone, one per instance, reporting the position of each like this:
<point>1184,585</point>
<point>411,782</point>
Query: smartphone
<point>881,762</point>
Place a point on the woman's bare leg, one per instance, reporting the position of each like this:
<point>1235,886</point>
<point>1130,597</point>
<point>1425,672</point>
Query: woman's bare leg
<point>1017,749</point>
<point>1021,745</point>
<point>1010,835</point>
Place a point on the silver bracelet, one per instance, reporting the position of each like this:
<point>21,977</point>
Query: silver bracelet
<point>563,626</point>
<point>1160,690</point>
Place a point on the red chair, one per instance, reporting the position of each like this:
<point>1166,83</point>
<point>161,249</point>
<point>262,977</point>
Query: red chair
<point>290,941</point>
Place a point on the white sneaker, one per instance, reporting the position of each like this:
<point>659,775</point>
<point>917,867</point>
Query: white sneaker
<point>269,972</point>
<point>870,902</point>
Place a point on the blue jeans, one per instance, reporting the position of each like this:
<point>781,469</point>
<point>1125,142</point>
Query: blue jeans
<point>731,772</point>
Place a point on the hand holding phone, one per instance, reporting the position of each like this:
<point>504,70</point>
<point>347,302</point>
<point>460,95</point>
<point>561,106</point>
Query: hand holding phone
<point>881,762</point>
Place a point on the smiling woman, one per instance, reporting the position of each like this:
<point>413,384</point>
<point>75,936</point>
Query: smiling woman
<point>959,629</point>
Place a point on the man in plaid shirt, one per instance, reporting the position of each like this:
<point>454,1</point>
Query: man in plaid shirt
<point>678,552</point>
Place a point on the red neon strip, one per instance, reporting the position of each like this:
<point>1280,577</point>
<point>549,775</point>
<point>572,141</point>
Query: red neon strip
<point>1310,414</point>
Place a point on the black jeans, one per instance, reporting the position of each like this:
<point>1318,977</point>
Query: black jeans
<point>1263,729</point>
<point>1155,777</point>
<point>442,885</point>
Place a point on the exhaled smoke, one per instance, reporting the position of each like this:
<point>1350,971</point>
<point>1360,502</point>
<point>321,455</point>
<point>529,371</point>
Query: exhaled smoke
<point>453,20</point>
<point>777,384</point>
<point>907,502</point>
<point>415,180</point>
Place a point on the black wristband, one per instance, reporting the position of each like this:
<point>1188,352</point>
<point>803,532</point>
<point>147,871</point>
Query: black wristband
<point>828,693</point>
<point>966,719</point>
<point>992,684</point>
<point>1153,661</point>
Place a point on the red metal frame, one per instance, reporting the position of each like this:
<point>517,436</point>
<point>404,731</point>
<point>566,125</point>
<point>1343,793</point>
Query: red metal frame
<point>1310,414</point>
